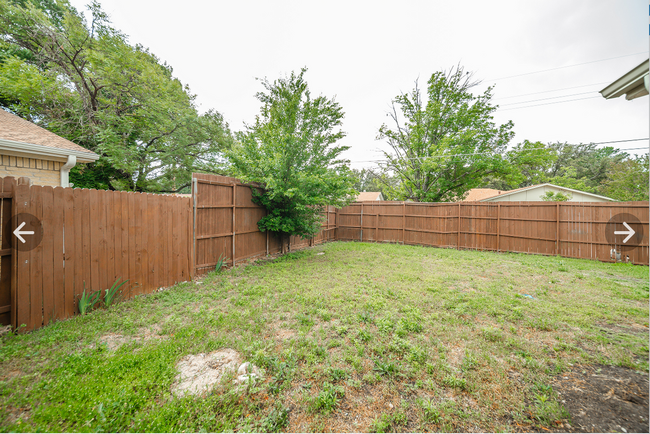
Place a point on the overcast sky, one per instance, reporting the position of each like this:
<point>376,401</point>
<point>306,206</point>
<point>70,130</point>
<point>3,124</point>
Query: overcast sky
<point>364,53</point>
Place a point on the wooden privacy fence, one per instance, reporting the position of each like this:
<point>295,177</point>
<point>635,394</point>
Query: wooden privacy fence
<point>92,238</point>
<point>569,229</point>
<point>226,224</point>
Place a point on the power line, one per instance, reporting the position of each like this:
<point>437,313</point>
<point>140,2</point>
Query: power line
<point>544,99</point>
<point>549,103</point>
<point>486,153</point>
<point>548,91</point>
<point>567,66</point>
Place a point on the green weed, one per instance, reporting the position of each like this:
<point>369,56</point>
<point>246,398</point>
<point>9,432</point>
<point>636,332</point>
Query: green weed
<point>111,295</point>
<point>328,398</point>
<point>87,301</point>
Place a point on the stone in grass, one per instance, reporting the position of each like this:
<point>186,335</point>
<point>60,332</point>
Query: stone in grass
<point>246,372</point>
<point>198,373</point>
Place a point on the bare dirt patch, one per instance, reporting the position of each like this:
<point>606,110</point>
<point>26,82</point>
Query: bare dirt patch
<point>199,373</point>
<point>115,340</point>
<point>285,334</point>
<point>603,398</point>
<point>631,329</point>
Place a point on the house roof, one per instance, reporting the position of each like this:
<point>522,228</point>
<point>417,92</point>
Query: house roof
<point>476,194</point>
<point>633,84</point>
<point>368,195</point>
<point>20,135</point>
<point>532,187</point>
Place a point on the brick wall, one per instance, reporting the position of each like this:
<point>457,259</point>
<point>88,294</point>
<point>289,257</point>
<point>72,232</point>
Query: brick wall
<point>41,172</point>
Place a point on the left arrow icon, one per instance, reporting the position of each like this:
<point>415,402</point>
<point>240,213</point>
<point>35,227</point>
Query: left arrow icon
<point>18,232</point>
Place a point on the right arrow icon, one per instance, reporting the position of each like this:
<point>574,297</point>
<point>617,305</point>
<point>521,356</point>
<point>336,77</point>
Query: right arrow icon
<point>629,232</point>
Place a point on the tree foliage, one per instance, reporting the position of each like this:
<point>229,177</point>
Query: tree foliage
<point>291,150</point>
<point>551,196</point>
<point>376,180</point>
<point>85,82</point>
<point>448,144</point>
<point>628,179</point>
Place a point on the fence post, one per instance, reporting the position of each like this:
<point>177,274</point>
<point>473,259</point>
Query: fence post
<point>458,237</point>
<point>361,227</point>
<point>8,211</point>
<point>498,226</point>
<point>234,198</point>
<point>403,222</point>
<point>377,227</point>
<point>557,228</point>
<point>336,224</point>
<point>195,186</point>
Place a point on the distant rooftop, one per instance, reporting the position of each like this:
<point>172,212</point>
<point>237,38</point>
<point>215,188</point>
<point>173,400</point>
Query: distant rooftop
<point>476,194</point>
<point>369,195</point>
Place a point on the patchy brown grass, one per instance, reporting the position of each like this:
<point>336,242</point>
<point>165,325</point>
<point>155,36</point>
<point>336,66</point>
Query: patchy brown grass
<point>365,337</point>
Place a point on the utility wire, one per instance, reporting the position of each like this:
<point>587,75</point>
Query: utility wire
<point>549,103</point>
<point>548,91</point>
<point>486,153</point>
<point>544,99</point>
<point>567,66</point>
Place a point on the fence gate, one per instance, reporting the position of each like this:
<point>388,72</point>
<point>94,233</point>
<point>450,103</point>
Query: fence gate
<point>7,296</point>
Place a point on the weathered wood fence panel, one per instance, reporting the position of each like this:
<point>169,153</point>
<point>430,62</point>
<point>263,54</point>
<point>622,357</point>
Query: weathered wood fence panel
<point>570,229</point>
<point>226,224</point>
<point>91,238</point>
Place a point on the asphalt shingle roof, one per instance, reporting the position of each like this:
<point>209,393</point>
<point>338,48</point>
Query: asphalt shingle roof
<point>17,129</point>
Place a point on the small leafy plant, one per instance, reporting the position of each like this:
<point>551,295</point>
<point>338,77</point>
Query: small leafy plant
<point>389,422</point>
<point>456,382</point>
<point>328,398</point>
<point>112,295</point>
<point>387,369</point>
<point>221,262</point>
<point>430,413</point>
<point>88,300</point>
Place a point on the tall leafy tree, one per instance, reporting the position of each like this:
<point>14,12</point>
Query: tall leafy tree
<point>627,179</point>
<point>291,149</point>
<point>375,180</point>
<point>582,167</point>
<point>448,144</point>
<point>84,81</point>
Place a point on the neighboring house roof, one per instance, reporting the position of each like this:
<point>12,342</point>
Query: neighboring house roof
<point>531,187</point>
<point>633,84</point>
<point>369,195</point>
<point>476,194</point>
<point>19,136</point>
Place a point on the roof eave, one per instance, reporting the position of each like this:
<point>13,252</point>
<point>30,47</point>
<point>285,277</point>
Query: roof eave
<point>30,150</point>
<point>628,82</point>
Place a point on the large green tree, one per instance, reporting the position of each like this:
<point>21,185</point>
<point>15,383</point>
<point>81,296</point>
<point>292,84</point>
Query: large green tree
<point>628,179</point>
<point>582,167</point>
<point>84,81</point>
<point>448,144</point>
<point>291,149</point>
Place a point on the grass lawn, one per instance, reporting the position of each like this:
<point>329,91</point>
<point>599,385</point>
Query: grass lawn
<point>348,336</point>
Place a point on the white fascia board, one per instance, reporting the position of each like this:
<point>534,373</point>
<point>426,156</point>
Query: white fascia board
<point>627,82</point>
<point>29,150</point>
